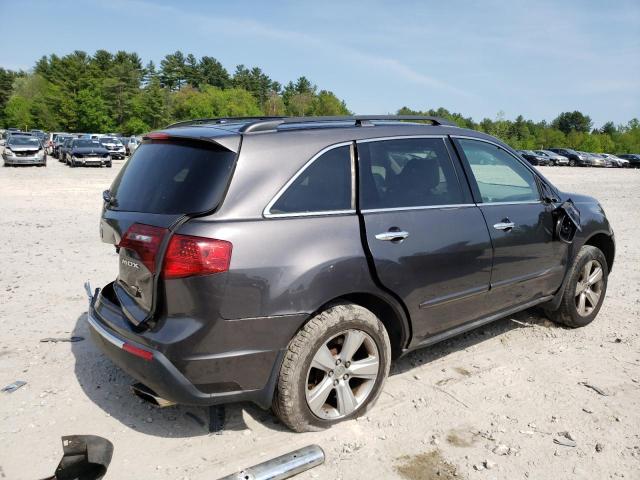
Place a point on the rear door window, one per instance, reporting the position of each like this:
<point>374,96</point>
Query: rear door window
<point>173,177</point>
<point>323,186</point>
<point>415,172</point>
<point>499,175</point>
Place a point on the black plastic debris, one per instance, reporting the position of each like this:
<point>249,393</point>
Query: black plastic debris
<point>62,339</point>
<point>12,387</point>
<point>85,457</point>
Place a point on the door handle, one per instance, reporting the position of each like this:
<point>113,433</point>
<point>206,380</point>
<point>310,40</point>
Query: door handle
<point>392,235</point>
<point>504,225</point>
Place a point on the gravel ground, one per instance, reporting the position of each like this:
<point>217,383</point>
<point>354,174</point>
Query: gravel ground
<point>489,404</point>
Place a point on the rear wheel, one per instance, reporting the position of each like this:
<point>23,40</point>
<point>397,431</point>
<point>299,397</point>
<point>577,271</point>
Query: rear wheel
<point>585,290</point>
<point>334,369</point>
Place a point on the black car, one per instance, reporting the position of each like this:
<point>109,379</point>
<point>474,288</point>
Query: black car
<point>534,158</point>
<point>64,148</point>
<point>86,153</point>
<point>575,158</point>
<point>57,145</point>
<point>287,261</point>
<point>634,159</point>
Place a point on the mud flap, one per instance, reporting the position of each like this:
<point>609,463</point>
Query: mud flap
<point>85,457</point>
<point>567,222</point>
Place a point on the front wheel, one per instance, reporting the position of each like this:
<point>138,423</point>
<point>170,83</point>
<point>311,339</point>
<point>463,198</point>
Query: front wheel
<point>572,163</point>
<point>585,289</point>
<point>334,369</point>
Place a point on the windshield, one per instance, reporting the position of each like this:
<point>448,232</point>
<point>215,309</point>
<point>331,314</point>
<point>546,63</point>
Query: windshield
<point>86,144</point>
<point>24,141</point>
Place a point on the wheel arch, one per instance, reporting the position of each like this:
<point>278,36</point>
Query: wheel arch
<point>605,243</point>
<point>390,314</point>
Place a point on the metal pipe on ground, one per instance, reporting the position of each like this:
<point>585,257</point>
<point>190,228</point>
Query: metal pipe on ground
<point>282,467</point>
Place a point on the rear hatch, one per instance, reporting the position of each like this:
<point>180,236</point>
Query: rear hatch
<point>168,180</point>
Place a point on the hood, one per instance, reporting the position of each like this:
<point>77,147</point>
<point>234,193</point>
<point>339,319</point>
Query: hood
<point>579,199</point>
<point>24,148</point>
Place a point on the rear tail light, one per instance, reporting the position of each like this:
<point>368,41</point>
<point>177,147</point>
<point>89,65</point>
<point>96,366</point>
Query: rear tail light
<point>145,240</point>
<point>188,255</point>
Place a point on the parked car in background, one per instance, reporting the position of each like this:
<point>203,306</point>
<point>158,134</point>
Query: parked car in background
<point>57,143</point>
<point>599,157</point>
<point>366,257</point>
<point>114,146</point>
<point>24,150</point>
<point>534,158</point>
<point>575,158</point>
<point>633,158</point>
<point>554,158</point>
<point>593,160</point>
<point>615,161</point>
<point>88,152</point>
<point>64,148</point>
<point>132,144</point>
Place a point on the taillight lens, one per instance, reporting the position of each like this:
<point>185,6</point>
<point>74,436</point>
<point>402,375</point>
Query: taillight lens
<point>188,255</point>
<point>145,240</point>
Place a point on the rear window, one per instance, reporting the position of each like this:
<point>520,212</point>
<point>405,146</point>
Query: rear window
<point>163,177</point>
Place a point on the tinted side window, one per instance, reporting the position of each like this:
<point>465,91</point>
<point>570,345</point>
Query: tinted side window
<point>500,177</point>
<point>323,186</point>
<point>414,172</point>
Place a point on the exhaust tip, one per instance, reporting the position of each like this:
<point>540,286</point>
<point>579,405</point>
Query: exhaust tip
<point>148,395</point>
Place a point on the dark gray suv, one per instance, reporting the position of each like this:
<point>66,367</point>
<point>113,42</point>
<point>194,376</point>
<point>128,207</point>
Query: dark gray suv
<point>287,261</point>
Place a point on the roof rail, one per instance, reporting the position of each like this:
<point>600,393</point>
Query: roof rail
<point>220,120</point>
<point>269,124</point>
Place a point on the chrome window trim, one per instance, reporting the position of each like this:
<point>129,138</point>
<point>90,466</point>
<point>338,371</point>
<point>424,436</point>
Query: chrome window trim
<point>522,162</point>
<point>267,210</point>
<point>399,137</point>
<point>428,207</point>
<point>523,202</point>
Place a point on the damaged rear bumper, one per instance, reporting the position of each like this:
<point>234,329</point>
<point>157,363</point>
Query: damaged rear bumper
<point>231,376</point>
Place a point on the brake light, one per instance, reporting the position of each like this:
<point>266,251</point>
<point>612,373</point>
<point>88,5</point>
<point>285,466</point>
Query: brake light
<point>157,136</point>
<point>188,255</point>
<point>145,240</point>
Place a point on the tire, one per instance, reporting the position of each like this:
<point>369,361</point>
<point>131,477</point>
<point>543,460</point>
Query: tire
<point>568,313</point>
<point>572,163</point>
<point>108,165</point>
<point>326,330</point>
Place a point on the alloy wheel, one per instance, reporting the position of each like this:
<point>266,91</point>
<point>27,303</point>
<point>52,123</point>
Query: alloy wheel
<point>342,374</point>
<point>589,288</point>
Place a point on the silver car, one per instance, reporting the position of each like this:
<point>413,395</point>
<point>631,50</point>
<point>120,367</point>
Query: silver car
<point>554,158</point>
<point>615,161</point>
<point>132,143</point>
<point>24,150</point>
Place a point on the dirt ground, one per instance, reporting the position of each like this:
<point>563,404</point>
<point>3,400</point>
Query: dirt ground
<point>487,405</point>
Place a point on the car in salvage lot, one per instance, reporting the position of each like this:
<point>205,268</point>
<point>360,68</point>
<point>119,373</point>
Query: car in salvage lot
<point>633,158</point>
<point>534,158</point>
<point>24,150</point>
<point>575,158</point>
<point>382,240</point>
<point>114,146</point>
<point>86,153</point>
<point>554,158</point>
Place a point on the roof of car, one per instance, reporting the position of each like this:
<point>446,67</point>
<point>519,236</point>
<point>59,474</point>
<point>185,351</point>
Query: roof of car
<point>226,130</point>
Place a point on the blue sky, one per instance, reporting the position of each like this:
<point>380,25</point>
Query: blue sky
<point>535,58</point>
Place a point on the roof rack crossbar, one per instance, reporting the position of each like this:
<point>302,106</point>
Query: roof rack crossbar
<point>270,124</point>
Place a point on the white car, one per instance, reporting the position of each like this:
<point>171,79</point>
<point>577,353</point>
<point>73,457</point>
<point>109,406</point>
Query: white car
<point>132,143</point>
<point>115,147</point>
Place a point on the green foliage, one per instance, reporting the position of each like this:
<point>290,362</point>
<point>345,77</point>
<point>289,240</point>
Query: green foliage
<point>529,135</point>
<point>115,92</point>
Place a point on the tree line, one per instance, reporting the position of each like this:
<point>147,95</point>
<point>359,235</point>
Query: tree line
<point>116,92</point>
